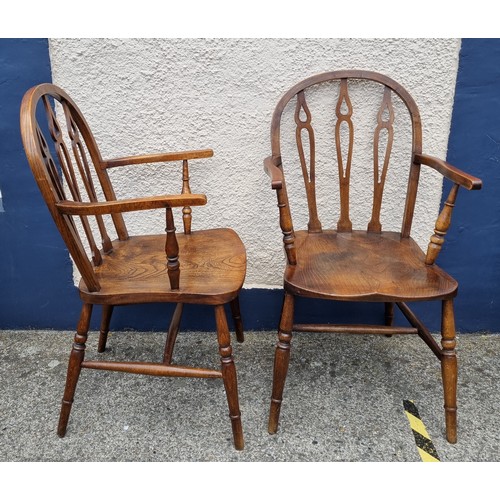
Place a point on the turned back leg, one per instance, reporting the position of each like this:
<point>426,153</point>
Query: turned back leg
<point>238,323</point>
<point>107,311</point>
<point>173,330</point>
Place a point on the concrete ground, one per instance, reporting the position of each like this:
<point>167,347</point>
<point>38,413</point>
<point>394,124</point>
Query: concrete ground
<point>343,400</point>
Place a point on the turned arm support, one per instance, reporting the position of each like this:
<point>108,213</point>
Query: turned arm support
<point>153,202</point>
<point>459,179</point>
<point>130,205</point>
<point>183,156</point>
<point>157,157</point>
<point>271,167</point>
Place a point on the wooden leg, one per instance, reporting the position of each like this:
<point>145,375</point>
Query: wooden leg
<point>173,330</point>
<point>107,311</point>
<point>281,360</point>
<point>389,315</point>
<point>229,375</point>
<point>74,367</point>
<point>238,323</point>
<point>449,369</point>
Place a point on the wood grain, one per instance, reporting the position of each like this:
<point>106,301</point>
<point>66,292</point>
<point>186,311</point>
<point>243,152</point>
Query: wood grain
<point>199,267</point>
<point>361,266</point>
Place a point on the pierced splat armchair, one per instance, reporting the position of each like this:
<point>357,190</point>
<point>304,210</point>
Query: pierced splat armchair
<point>370,265</point>
<point>195,267</point>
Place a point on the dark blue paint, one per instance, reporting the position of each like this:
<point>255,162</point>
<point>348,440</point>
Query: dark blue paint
<point>35,270</point>
<point>472,250</point>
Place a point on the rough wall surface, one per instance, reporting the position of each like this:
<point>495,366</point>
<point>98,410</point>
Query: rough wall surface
<point>152,95</point>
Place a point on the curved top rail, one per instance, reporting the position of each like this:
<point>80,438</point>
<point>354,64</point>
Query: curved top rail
<point>347,74</point>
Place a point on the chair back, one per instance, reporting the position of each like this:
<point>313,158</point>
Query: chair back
<point>67,165</point>
<point>368,125</point>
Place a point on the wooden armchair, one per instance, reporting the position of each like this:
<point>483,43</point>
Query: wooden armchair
<point>369,265</point>
<point>196,267</point>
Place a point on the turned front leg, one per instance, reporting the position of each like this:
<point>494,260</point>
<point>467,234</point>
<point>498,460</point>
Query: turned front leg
<point>281,362</point>
<point>74,367</point>
<point>449,369</point>
<point>229,375</point>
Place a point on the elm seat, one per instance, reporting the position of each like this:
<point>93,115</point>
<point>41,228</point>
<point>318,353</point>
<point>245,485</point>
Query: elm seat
<point>341,262</point>
<point>349,266</point>
<point>213,276</point>
<point>205,266</point>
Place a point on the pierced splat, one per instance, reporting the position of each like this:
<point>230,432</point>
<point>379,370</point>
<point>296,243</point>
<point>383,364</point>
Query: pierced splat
<point>442,225</point>
<point>365,266</point>
<point>385,120</point>
<point>309,174</point>
<point>344,113</point>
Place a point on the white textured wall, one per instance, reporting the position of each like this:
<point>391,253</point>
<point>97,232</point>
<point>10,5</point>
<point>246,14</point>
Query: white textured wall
<point>152,95</point>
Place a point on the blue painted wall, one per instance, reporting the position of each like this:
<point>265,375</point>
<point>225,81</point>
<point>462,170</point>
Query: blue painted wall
<point>35,270</point>
<point>472,251</point>
<point>36,288</point>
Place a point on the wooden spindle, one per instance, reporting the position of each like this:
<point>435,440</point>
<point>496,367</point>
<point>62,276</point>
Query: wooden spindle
<point>186,211</point>
<point>442,225</point>
<point>70,176</point>
<point>172,252</point>
<point>85,174</point>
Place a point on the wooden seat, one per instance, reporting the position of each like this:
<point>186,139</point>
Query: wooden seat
<point>197,266</point>
<point>213,276</point>
<point>362,264</point>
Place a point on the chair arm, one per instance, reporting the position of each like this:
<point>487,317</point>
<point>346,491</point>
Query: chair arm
<point>449,171</point>
<point>157,157</point>
<point>271,167</point>
<point>130,205</point>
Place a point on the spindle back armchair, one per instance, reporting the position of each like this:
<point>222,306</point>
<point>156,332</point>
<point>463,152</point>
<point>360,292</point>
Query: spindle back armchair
<point>334,261</point>
<point>198,267</point>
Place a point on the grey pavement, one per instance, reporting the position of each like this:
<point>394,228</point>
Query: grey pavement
<point>343,400</point>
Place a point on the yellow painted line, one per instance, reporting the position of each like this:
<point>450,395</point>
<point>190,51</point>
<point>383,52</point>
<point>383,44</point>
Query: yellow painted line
<point>426,457</point>
<point>423,441</point>
<point>417,425</point>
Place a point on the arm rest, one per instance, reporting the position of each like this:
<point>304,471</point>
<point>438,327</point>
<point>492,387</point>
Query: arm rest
<point>449,171</point>
<point>130,205</point>
<point>272,170</point>
<point>157,157</point>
